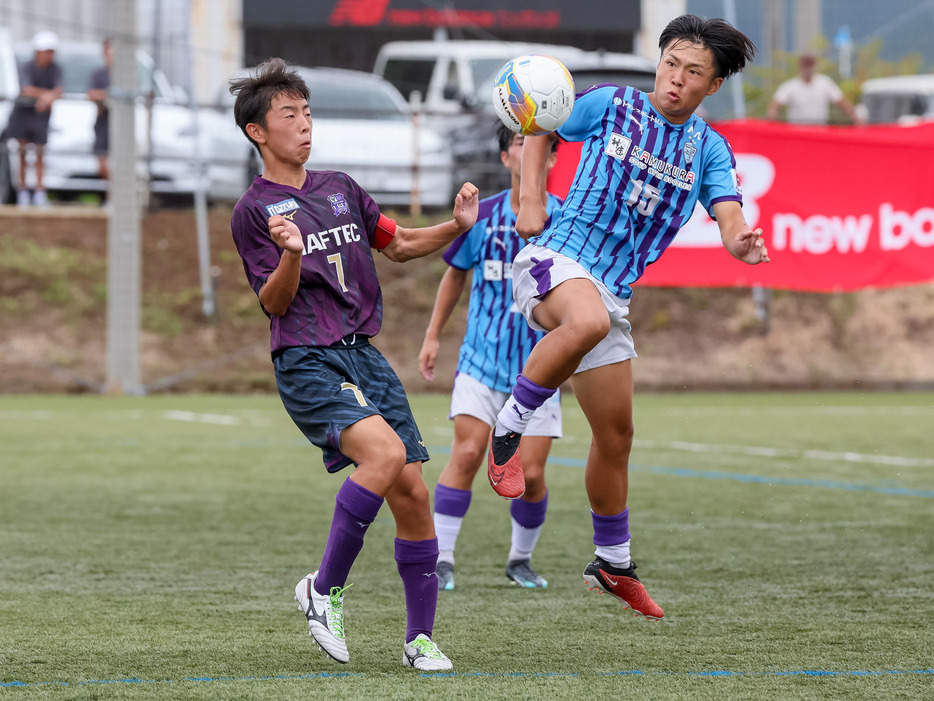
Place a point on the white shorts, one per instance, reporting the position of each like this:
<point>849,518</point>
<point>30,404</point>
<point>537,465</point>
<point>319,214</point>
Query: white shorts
<point>473,398</point>
<point>538,270</point>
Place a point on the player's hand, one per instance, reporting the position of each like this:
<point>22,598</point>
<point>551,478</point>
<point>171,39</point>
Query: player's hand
<point>466,206</point>
<point>426,359</point>
<point>285,234</point>
<point>531,219</point>
<point>749,247</point>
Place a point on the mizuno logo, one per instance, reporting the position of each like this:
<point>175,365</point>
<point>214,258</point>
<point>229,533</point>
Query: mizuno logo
<point>282,207</point>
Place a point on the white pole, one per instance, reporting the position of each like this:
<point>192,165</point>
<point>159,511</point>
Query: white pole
<point>123,230</point>
<point>739,100</point>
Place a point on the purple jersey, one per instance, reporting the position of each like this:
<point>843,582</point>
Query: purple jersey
<point>338,293</point>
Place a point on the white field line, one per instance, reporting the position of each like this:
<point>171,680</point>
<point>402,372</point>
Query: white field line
<point>755,451</point>
<point>218,419</point>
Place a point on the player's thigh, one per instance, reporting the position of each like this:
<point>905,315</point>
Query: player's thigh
<point>372,444</point>
<point>608,411</point>
<point>575,302</point>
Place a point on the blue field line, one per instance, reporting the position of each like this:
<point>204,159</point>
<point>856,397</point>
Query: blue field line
<point>505,675</point>
<point>741,477</point>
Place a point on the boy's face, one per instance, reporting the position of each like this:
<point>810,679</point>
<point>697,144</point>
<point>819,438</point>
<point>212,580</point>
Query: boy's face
<point>286,137</point>
<point>685,76</point>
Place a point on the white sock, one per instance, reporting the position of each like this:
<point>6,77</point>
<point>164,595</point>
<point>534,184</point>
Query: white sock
<point>447,529</point>
<point>514,416</point>
<point>616,555</point>
<point>523,541</point>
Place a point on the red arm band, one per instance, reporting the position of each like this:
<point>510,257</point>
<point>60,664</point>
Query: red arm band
<point>385,232</point>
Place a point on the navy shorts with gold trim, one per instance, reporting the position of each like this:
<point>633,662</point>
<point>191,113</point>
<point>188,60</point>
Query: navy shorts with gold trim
<point>326,389</point>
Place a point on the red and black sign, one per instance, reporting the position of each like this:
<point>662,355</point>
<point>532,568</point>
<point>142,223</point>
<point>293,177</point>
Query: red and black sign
<point>621,15</point>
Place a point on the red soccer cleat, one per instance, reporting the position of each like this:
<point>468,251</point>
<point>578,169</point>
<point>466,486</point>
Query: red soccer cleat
<point>601,577</point>
<point>504,467</point>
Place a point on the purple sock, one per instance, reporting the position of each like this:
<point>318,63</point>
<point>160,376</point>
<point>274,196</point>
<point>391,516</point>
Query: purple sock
<point>529,514</point>
<point>355,508</point>
<point>611,530</point>
<point>451,501</point>
<point>416,561</point>
<point>529,394</point>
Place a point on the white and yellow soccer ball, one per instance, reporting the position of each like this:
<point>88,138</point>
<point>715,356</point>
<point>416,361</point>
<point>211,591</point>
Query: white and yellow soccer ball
<point>533,94</point>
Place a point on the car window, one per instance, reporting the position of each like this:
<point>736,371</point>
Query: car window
<point>483,69</point>
<point>77,67</point>
<point>335,98</point>
<point>409,74</point>
<point>888,107</point>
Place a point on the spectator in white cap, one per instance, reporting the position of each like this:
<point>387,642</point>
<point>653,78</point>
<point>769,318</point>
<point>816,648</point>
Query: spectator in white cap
<point>40,85</point>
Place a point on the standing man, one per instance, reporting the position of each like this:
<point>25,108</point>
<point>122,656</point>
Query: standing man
<point>40,85</point>
<point>496,343</point>
<point>98,85</point>
<point>646,160</point>
<point>808,96</point>
<point>306,240</point>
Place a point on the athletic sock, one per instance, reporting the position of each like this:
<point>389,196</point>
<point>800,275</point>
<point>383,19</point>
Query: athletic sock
<point>611,536</point>
<point>416,561</point>
<point>528,518</point>
<point>355,508</point>
<point>451,506</point>
<point>526,397</point>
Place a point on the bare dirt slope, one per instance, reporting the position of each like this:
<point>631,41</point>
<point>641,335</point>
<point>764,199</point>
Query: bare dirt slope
<point>53,274</point>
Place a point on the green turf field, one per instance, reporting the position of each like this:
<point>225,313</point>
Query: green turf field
<point>149,548</point>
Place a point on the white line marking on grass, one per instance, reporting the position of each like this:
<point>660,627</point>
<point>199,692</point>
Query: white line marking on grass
<point>764,452</point>
<point>218,419</point>
<point>892,410</point>
<point>443,675</point>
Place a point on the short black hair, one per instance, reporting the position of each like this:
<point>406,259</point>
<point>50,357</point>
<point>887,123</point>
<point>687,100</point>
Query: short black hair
<point>255,92</point>
<point>730,47</point>
<point>505,136</point>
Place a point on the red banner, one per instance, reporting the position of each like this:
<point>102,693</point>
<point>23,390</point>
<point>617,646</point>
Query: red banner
<point>841,208</point>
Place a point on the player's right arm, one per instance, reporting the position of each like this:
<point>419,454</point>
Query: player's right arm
<point>532,215</point>
<point>449,292</point>
<point>281,286</point>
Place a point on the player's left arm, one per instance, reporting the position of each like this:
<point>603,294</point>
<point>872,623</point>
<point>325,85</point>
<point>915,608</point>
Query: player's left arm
<point>739,239</point>
<point>406,244</point>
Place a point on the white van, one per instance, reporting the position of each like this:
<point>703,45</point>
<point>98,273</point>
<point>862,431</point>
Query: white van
<point>902,99</point>
<point>449,73</point>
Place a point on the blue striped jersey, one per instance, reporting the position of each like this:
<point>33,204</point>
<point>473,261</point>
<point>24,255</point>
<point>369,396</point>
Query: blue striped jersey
<point>498,339</point>
<point>637,182</point>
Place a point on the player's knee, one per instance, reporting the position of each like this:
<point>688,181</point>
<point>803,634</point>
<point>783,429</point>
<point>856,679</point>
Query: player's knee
<point>588,331</point>
<point>466,457</point>
<point>386,452</point>
<point>615,440</point>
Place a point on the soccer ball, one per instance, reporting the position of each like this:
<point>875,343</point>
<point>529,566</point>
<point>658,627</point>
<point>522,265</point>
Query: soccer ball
<point>533,94</point>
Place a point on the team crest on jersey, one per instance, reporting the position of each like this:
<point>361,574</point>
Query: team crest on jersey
<point>493,270</point>
<point>338,204</point>
<point>283,207</point>
<point>618,146</point>
<point>689,151</point>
